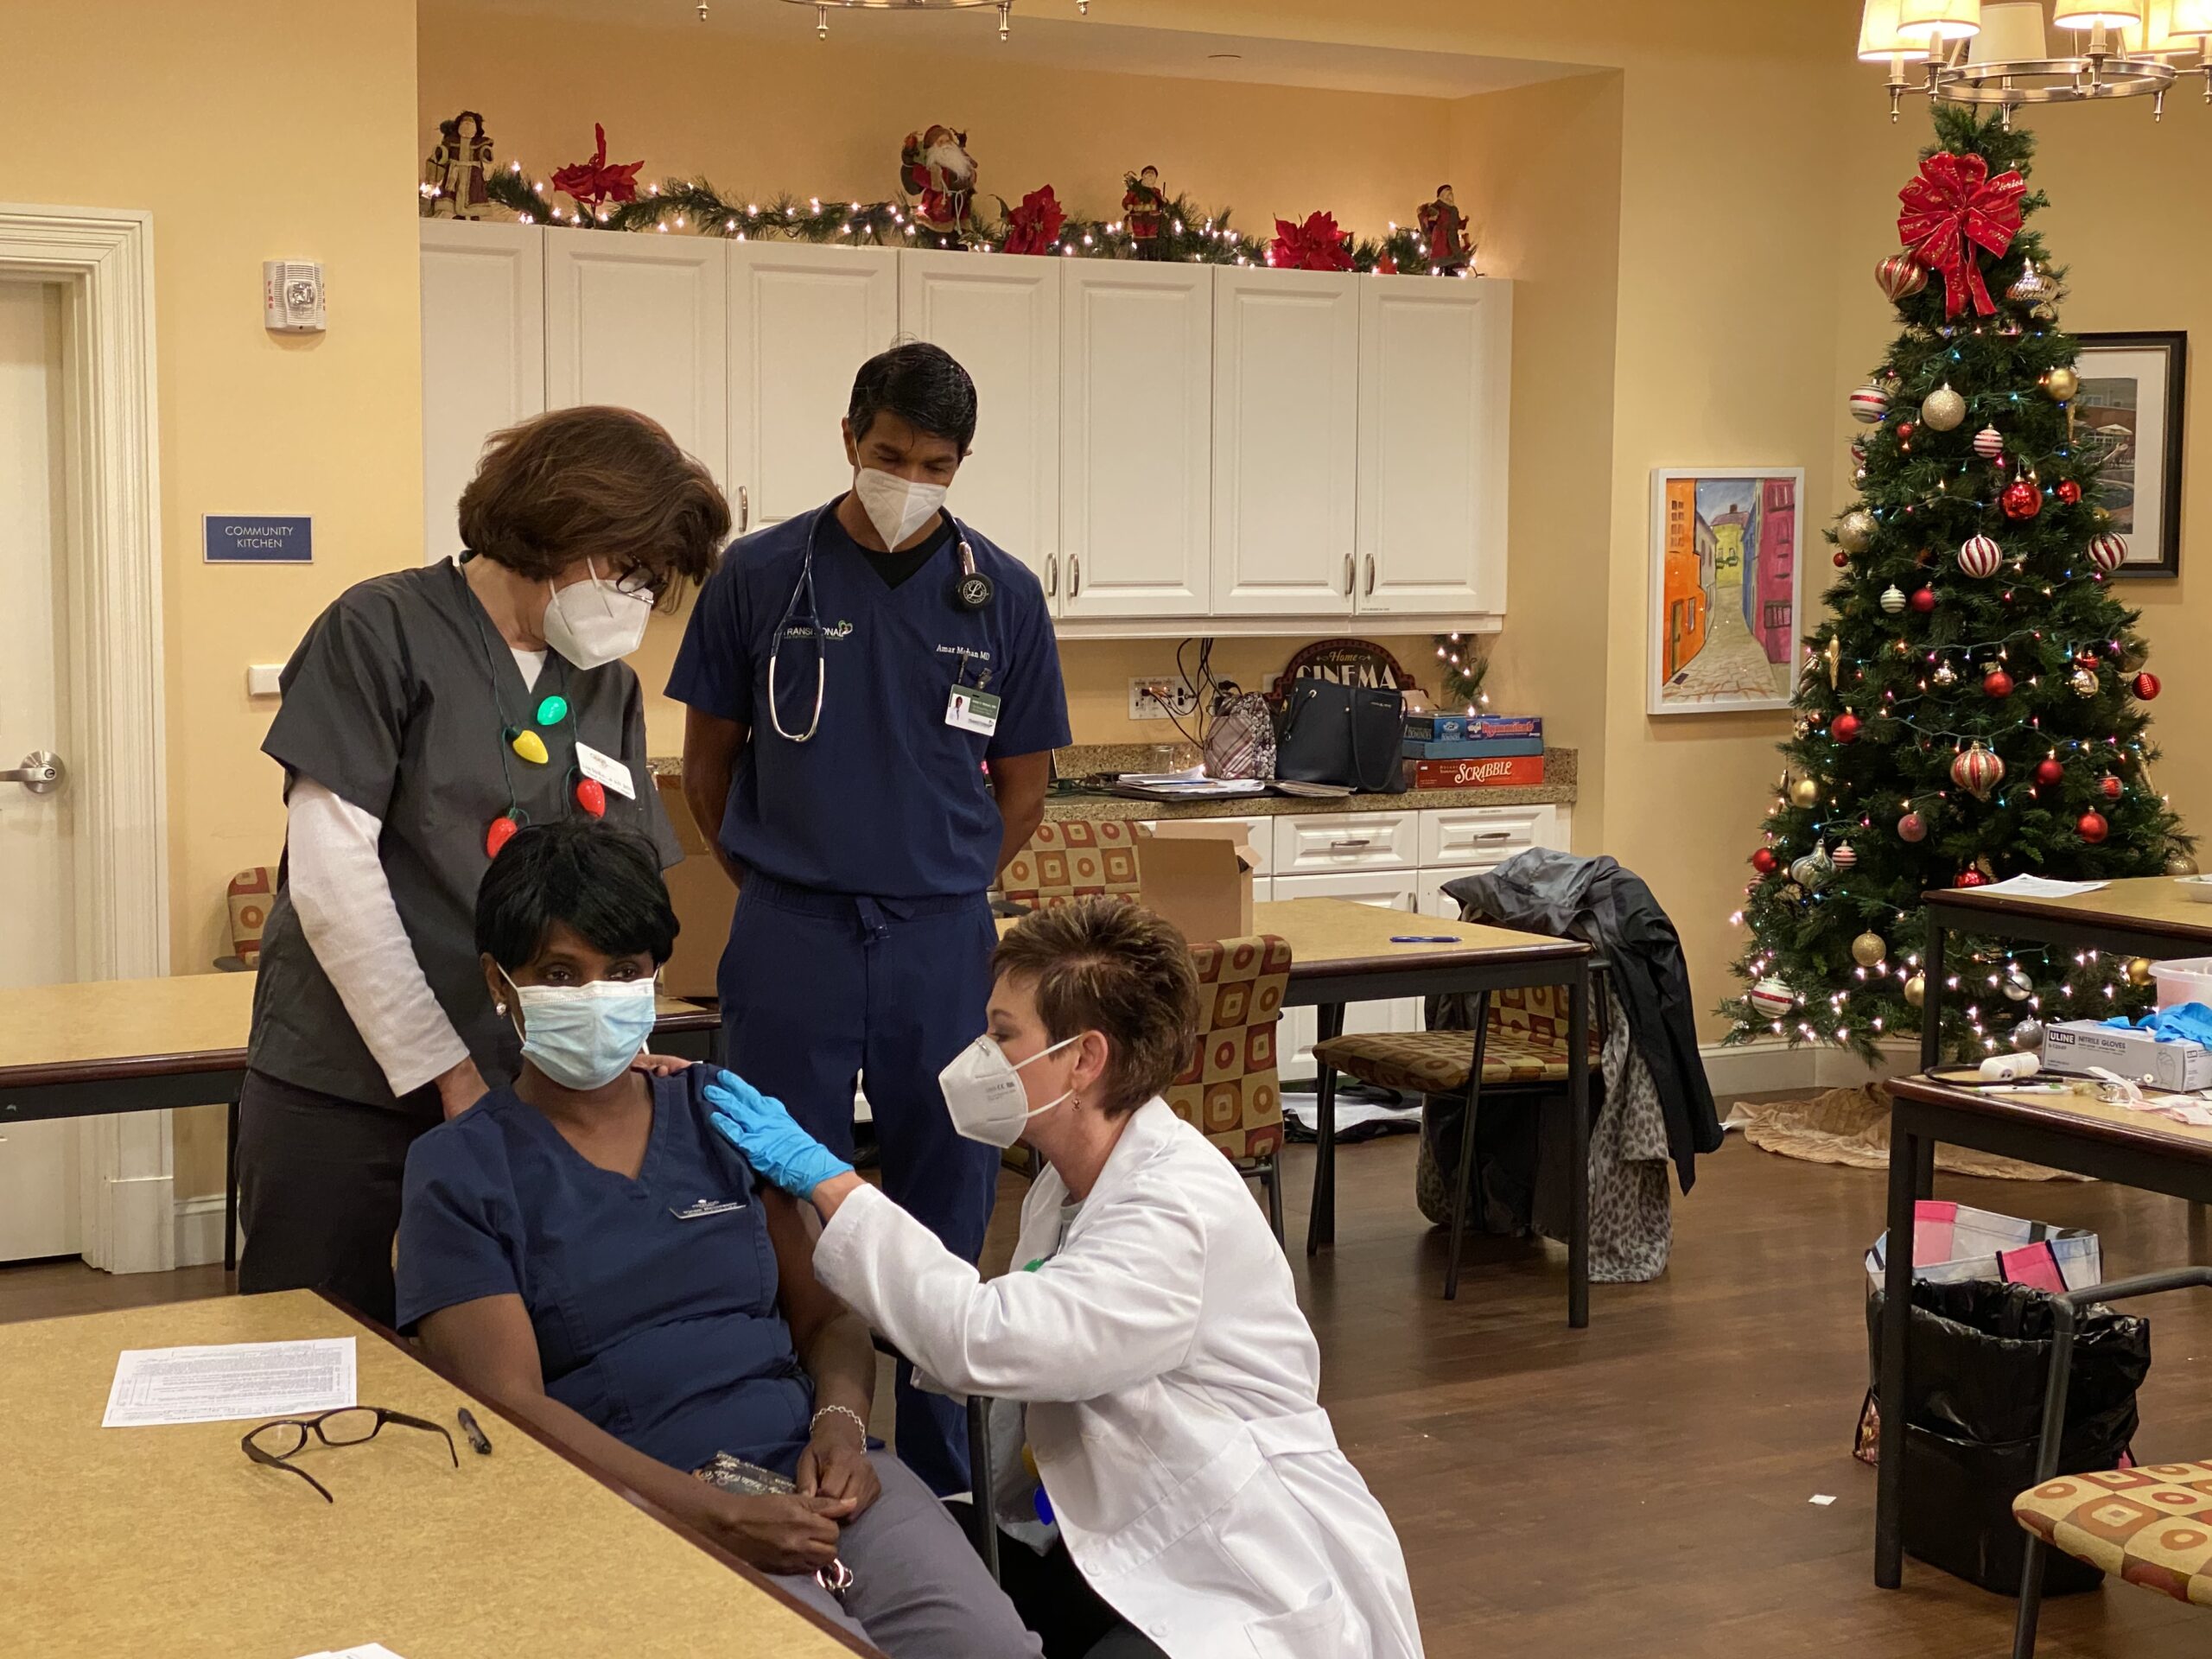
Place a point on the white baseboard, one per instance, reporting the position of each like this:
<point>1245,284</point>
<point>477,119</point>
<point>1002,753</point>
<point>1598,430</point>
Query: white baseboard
<point>1768,1068</point>
<point>200,1231</point>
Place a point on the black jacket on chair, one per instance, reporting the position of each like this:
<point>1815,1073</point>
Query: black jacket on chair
<point>1611,909</point>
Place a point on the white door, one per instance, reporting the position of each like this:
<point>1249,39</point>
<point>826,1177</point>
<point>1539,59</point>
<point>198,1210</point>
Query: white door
<point>1286,442</point>
<point>38,923</point>
<point>641,322</point>
<point>483,355</point>
<point>1136,436</point>
<point>1435,395</point>
<point>1001,318</point>
<point>1387,889</point>
<point>802,321</point>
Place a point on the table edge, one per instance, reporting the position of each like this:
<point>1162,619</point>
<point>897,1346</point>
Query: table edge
<point>1414,961</point>
<point>684,1529</point>
<point>2011,907</point>
<point>1923,1091</point>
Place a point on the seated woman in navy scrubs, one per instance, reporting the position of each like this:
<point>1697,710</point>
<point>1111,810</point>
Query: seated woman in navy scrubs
<point>582,1249</point>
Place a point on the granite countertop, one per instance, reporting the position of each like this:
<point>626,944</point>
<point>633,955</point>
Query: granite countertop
<point>1557,789</point>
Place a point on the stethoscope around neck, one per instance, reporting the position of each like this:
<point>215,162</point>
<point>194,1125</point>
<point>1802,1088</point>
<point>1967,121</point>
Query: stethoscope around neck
<point>971,591</point>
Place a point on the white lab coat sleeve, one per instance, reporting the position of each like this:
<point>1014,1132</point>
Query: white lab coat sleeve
<point>351,924</point>
<point>1114,1307</point>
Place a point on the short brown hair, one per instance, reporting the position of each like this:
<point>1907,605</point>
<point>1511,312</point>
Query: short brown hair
<point>596,482</point>
<point>1104,964</point>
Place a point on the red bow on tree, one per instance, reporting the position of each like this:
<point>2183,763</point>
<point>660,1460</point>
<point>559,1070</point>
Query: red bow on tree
<point>594,182</point>
<point>1951,210</point>
<point>1034,227</point>
<point>1317,245</point>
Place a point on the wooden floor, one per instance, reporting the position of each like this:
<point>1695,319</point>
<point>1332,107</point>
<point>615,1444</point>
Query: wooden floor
<point>1640,1489</point>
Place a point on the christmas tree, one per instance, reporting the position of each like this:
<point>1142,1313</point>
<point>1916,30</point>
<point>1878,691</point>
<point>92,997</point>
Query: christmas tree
<point>1969,711</point>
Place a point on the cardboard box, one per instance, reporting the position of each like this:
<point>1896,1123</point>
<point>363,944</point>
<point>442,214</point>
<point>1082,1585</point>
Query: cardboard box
<point>2077,1045</point>
<point>1469,748</point>
<point>704,897</point>
<point>1198,873</point>
<point>1503,772</point>
<point>1450,728</point>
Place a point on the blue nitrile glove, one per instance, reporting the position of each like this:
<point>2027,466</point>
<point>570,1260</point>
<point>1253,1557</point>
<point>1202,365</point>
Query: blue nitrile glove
<point>758,1126</point>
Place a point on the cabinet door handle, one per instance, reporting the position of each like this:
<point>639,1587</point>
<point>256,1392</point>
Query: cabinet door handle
<point>1052,575</point>
<point>1370,576</point>
<point>1075,575</point>
<point>744,510</point>
<point>1347,845</point>
<point>1348,576</point>
<point>1494,834</point>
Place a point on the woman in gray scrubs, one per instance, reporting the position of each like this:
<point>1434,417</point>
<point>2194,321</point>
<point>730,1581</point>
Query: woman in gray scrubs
<point>427,714</point>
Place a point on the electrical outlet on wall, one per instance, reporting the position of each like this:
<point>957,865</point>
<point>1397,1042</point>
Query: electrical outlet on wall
<point>1157,696</point>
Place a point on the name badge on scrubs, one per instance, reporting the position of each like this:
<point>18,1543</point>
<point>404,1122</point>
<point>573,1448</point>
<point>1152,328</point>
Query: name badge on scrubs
<point>699,1209</point>
<point>605,770</point>
<point>971,711</point>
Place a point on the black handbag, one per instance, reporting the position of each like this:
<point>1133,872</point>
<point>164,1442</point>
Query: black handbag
<point>1349,735</point>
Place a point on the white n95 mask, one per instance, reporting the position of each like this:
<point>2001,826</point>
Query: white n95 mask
<point>583,1037</point>
<point>896,506</point>
<point>983,1092</point>
<point>593,622</point>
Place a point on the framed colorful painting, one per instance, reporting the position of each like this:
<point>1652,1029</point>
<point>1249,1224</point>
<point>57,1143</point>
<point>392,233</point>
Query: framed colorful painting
<point>2131,406</point>
<point>1727,588</point>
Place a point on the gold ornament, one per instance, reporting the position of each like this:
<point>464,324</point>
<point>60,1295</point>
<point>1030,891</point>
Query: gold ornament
<point>1833,657</point>
<point>1804,791</point>
<point>1943,408</point>
<point>2060,385</point>
<point>2031,287</point>
<point>2139,972</point>
<point>1855,532</point>
<point>1915,990</point>
<point>2083,681</point>
<point>2179,863</point>
<point>1868,949</point>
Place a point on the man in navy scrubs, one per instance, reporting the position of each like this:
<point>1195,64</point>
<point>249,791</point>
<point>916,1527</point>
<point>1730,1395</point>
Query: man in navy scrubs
<point>871,726</point>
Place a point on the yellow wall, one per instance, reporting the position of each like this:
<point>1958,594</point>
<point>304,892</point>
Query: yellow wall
<point>247,139</point>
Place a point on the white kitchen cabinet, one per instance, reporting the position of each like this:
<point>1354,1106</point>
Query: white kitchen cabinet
<point>802,321</point>
<point>1477,837</point>
<point>1339,841</point>
<point>1435,395</point>
<point>1285,445</point>
<point>483,354</point>
<point>1136,405</point>
<point>642,322</point>
<point>1000,315</point>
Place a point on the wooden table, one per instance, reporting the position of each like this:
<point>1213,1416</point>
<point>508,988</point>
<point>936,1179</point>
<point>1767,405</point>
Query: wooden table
<point>148,1045</point>
<point>2086,1135</point>
<point>147,1540</point>
<point>2144,916</point>
<point>1344,952</point>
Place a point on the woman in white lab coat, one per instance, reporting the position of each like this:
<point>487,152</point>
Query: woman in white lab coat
<point>1171,1381</point>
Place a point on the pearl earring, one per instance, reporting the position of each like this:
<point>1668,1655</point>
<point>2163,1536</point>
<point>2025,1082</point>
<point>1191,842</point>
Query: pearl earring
<point>500,1007</point>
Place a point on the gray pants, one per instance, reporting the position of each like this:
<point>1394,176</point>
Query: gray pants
<point>919,1590</point>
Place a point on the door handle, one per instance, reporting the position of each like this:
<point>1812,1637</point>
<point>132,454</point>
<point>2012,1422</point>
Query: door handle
<point>1370,576</point>
<point>1348,581</point>
<point>1052,576</point>
<point>1348,846</point>
<point>744,509</point>
<point>1075,575</point>
<point>1494,834</point>
<point>42,772</point>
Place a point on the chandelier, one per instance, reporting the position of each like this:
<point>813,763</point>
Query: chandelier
<point>1005,8</point>
<point>1969,52</point>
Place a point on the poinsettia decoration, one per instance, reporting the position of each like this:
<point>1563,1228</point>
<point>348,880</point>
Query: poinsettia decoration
<point>1317,244</point>
<point>594,183</point>
<point>1034,227</point>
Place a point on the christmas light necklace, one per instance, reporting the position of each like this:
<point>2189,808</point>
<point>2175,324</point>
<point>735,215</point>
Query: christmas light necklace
<point>554,710</point>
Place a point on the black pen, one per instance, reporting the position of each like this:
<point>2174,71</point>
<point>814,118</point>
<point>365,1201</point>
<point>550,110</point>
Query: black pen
<point>475,1434</point>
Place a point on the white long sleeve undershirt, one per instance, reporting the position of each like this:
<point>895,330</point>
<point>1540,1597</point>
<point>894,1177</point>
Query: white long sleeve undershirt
<point>351,924</point>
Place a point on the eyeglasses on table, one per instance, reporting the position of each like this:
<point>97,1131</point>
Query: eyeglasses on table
<point>276,1443</point>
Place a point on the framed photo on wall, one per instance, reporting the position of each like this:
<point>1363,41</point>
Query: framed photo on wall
<point>2132,403</point>
<point>1727,587</point>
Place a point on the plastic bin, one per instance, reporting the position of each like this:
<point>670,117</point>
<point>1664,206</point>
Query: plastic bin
<point>2188,979</point>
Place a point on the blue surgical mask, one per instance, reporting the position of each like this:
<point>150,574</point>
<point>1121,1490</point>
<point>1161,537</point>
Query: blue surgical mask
<point>583,1037</point>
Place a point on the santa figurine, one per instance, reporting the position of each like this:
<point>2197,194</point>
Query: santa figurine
<point>452,177</point>
<point>1146,205</point>
<point>937,172</point>
<point>1444,231</point>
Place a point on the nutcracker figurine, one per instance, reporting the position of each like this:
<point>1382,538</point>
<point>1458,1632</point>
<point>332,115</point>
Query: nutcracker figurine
<point>1444,229</point>
<point>937,172</point>
<point>452,177</point>
<point>1146,205</point>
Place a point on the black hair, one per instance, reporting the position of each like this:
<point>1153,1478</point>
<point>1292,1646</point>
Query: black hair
<point>602,882</point>
<point>924,385</point>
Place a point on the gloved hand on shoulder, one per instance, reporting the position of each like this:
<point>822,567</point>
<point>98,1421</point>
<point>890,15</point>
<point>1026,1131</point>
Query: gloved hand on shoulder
<point>760,1128</point>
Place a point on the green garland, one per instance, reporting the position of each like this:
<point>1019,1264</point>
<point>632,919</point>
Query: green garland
<point>1189,235</point>
<point>1465,666</point>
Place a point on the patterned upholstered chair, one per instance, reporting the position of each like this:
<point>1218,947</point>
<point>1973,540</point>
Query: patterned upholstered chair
<point>1072,858</point>
<point>251,894</point>
<point>2150,1526</point>
<point>1229,1091</point>
<point>1518,1049</point>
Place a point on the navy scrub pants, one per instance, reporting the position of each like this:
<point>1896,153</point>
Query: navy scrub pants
<point>818,989</point>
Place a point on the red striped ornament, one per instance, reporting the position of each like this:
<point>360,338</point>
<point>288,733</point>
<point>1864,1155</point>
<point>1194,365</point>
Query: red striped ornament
<point>1989,443</point>
<point>2107,552</point>
<point>1979,556</point>
<point>1869,403</point>
<point>1900,276</point>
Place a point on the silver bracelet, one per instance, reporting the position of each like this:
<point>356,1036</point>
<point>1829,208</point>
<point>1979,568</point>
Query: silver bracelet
<point>814,1421</point>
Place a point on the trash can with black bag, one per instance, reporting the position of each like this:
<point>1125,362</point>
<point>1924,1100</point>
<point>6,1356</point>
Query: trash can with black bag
<point>1980,1362</point>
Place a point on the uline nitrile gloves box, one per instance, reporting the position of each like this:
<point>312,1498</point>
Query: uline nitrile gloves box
<point>2077,1045</point>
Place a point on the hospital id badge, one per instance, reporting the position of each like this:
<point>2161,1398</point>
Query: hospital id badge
<point>605,770</point>
<point>970,711</point>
